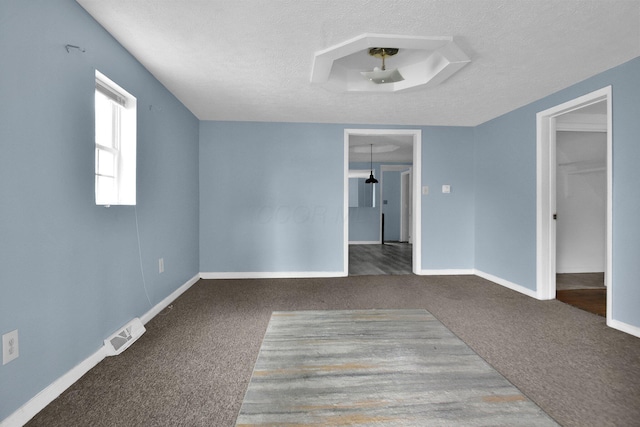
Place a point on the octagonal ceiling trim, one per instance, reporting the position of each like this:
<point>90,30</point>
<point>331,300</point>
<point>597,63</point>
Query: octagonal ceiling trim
<point>422,61</point>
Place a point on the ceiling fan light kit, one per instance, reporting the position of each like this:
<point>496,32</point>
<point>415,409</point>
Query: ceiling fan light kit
<point>420,62</point>
<point>382,75</point>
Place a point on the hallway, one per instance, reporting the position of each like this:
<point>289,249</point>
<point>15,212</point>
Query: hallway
<point>392,258</point>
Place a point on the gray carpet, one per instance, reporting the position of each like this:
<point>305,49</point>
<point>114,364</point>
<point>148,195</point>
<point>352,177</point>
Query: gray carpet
<point>193,365</point>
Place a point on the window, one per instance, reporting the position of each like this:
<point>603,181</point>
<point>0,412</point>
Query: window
<point>115,144</point>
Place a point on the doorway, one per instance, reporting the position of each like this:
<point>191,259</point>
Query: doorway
<point>413,140</point>
<point>581,196</point>
<point>572,173</point>
<point>395,202</point>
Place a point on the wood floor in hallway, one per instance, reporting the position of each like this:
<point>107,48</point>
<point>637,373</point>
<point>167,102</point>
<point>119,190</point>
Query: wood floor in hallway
<point>392,258</point>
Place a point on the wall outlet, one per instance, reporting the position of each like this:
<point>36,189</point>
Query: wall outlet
<point>446,189</point>
<point>161,265</point>
<point>10,349</point>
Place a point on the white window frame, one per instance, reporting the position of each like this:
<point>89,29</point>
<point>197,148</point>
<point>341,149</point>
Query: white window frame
<point>122,148</point>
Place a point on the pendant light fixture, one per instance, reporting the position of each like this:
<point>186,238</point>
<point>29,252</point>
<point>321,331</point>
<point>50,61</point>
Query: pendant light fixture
<point>371,179</point>
<point>382,75</point>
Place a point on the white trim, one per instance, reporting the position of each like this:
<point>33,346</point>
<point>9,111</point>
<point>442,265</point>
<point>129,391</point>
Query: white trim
<point>395,168</point>
<point>482,274</point>
<point>271,274</point>
<point>545,193</point>
<point>383,169</point>
<point>507,284</point>
<point>145,318</point>
<point>578,122</point>
<point>417,202</point>
<point>608,274</point>
<point>417,185</point>
<point>345,213</point>
<point>359,173</point>
<point>624,327</point>
<point>37,403</point>
<point>448,272</point>
<point>405,229</point>
<point>366,242</point>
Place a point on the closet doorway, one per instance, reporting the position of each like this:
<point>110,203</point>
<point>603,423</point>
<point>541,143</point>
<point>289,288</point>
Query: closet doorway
<point>574,199</point>
<point>581,207</point>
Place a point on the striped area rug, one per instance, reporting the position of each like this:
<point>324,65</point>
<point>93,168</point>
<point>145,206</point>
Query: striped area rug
<point>376,368</point>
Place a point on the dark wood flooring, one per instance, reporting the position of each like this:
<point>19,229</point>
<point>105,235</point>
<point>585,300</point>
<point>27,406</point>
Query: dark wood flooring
<point>390,258</point>
<point>583,290</point>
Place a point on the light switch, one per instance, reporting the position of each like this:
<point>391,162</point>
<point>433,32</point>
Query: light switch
<point>446,188</point>
<point>425,190</point>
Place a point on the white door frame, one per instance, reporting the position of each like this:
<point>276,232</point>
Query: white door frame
<point>405,227</point>
<point>417,177</point>
<point>383,169</point>
<point>546,194</point>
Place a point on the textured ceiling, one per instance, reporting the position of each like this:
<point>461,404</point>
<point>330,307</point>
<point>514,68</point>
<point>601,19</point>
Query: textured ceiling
<point>403,153</point>
<point>252,60</point>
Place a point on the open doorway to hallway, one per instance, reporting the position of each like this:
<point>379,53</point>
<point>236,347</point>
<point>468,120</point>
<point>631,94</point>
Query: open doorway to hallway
<point>392,258</point>
<point>379,228</point>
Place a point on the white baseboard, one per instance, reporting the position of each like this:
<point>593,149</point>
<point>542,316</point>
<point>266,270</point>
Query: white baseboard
<point>366,242</point>
<point>271,274</point>
<point>624,327</point>
<point>168,300</point>
<point>487,276</point>
<point>447,272</point>
<point>37,403</point>
<point>615,324</point>
<point>55,389</point>
<point>507,284</point>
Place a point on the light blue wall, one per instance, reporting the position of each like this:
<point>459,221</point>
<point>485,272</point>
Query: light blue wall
<point>271,197</point>
<point>506,189</point>
<point>505,223</point>
<point>71,271</point>
<point>364,223</point>
<point>447,219</point>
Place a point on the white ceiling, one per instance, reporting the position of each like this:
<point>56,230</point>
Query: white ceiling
<point>403,153</point>
<point>248,60</point>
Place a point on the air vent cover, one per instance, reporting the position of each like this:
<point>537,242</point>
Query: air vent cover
<point>124,337</point>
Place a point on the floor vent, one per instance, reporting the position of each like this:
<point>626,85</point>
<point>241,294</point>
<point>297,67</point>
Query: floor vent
<point>121,340</point>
